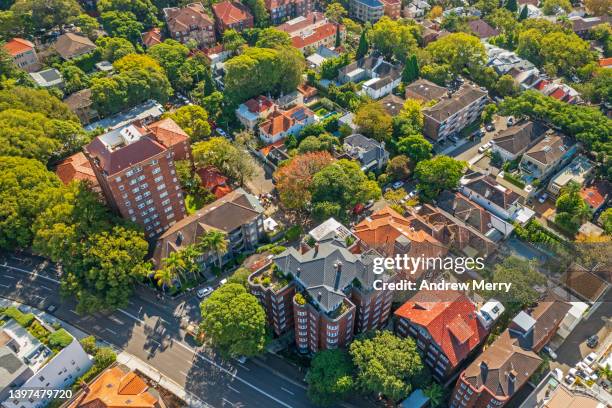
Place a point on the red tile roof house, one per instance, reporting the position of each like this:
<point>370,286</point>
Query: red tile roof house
<point>231,15</point>
<point>214,181</point>
<point>445,326</point>
<point>312,31</point>
<point>597,195</point>
<point>151,37</point>
<point>23,53</point>
<point>281,124</point>
<point>77,167</point>
<point>190,23</point>
<point>253,110</point>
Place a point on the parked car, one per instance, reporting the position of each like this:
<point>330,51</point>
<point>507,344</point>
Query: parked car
<point>490,127</point>
<point>569,379</point>
<point>221,132</point>
<point>550,352</point>
<point>397,184</point>
<point>369,204</point>
<point>543,198</point>
<point>222,281</point>
<point>593,341</point>
<point>484,147</point>
<point>203,292</point>
<point>510,121</point>
<point>590,359</point>
<point>454,138</point>
<point>241,359</point>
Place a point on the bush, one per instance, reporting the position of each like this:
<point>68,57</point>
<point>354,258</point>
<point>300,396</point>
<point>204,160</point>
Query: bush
<point>514,180</point>
<point>299,299</point>
<point>266,282</point>
<point>293,233</point>
<point>278,249</point>
<point>89,345</point>
<point>60,339</point>
<point>104,357</point>
<point>24,320</point>
<point>38,331</point>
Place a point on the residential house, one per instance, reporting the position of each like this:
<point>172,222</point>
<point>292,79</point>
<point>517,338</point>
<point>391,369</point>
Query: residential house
<point>382,77</point>
<point>482,29</point>
<point>391,234</point>
<point>214,181</point>
<point>254,110</point>
<point>393,104</point>
<point>48,78</point>
<point>512,142</point>
<point>312,31</point>
<point>502,60</point>
<point>324,294</point>
<point>548,155</point>
<point>370,153</point>
<point>231,15</point>
<point>81,104</point>
<point>273,154</point>
<point>23,54</point>
<point>553,393</point>
<point>77,168</point>
<point>474,215</point>
<point>238,214</point>
<point>597,195</point>
<point>366,10</point>
<point>282,10</point>
<point>582,25</point>
<point>135,167</point>
<point>70,45</point>
<point>425,91</point>
<point>308,92</point>
<point>392,8</point>
<point>117,387</point>
<point>190,23</point>
<point>505,366</point>
<point>322,54</point>
<point>445,328</point>
<point>453,113</point>
<point>499,200</point>
<point>587,285</point>
<point>431,30</point>
<point>34,366</point>
<point>416,9</point>
<point>605,62</point>
<point>285,101</point>
<point>558,90</point>
<point>281,124</point>
<point>578,171</point>
<point>151,37</point>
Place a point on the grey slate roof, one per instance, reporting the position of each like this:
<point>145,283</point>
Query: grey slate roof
<point>11,367</point>
<point>327,270</point>
<point>516,139</point>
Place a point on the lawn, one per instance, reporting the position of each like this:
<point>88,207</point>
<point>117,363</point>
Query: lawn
<point>192,204</point>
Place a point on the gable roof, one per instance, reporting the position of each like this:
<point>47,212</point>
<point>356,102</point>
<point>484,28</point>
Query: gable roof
<point>319,33</point>
<point>231,12</point>
<point>168,132</point>
<point>18,46</point>
<point>516,139</point>
<point>464,209</point>
<point>487,187</point>
<point>69,45</point>
<point>597,194</point>
<point>447,107</point>
<point>282,121</point>
<point>550,149</point>
<point>482,29</point>
<point>76,167</point>
<point>152,37</point>
<point>181,19</point>
<point>450,318</point>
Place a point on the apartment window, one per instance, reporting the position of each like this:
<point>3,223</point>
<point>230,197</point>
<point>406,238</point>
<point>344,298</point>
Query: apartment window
<point>146,193</point>
<point>154,162</point>
<point>121,188</point>
<point>167,209</point>
<point>138,197</point>
<point>301,313</point>
<point>159,178</point>
<point>156,170</point>
<point>166,202</point>
<point>147,220</point>
<point>171,215</point>
<point>161,187</point>
<point>129,173</point>
<point>332,334</point>
<point>144,186</point>
<point>164,194</point>
<point>133,219</point>
<point>149,201</point>
<point>135,190</point>
<point>127,204</point>
<point>141,206</point>
<point>118,179</point>
<point>130,211</point>
<point>141,178</point>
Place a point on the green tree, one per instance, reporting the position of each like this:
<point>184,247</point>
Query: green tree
<point>114,48</point>
<point>193,119</point>
<point>335,12</point>
<point>398,167</point>
<point>232,40</point>
<point>488,112</point>
<point>524,13</point>
<point>439,74</point>
<point>175,265</point>
<point>35,100</point>
<point>25,187</point>
<point>410,119</point>
<point>261,16</point>
<point>74,77</point>
<point>231,161</point>
<point>329,377</point>
<point>572,210</point>
<point>104,357</point>
<point>511,5</point>
<point>394,38</point>
<point>606,220</point>
<point>386,364</point>
<point>459,51</point>
<point>524,276</point>
<point>411,70</point>
<point>234,321</point>
<point>171,55</point>
<point>552,7</point>
<point>43,15</point>
<point>241,277</point>
<point>272,38</point>
<point>363,47</point>
<point>416,147</point>
<point>164,278</point>
<point>344,185</point>
<point>435,393</point>
<point>123,24</point>
<point>86,23</point>
<point>325,141</point>
<point>214,241</point>
<point>144,10</point>
<point>374,121</point>
<point>506,86</point>
<point>437,174</point>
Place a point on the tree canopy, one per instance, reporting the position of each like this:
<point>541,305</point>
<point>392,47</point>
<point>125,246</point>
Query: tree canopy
<point>374,121</point>
<point>416,147</point>
<point>234,321</point>
<point>234,162</point>
<point>330,377</point>
<point>144,11</point>
<point>524,276</point>
<point>394,38</point>
<point>193,119</point>
<point>572,210</point>
<point>458,51</point>
<point>437,174</point>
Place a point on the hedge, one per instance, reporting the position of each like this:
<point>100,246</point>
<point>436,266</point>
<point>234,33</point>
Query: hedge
<point>60,338</point>
<point>23,319</point>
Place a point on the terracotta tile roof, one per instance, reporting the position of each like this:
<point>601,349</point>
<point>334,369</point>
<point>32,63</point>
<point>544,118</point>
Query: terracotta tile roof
<point>307,91</point>
<point>583,283</point>
<point>214,180</point>
<point>116,389</point>
<point>482,29</point>
<point>231,12</point>
<point>597,194</point>
<point>259,104</point>
<point>605,62</point>
<point>450,318</point>
<point>18,46</point>
<point>267,149</point>
<point>79,100</point>
<point>152,37</point>
<point>181,19</point>
<point>168,132</point>
<point>325,31</point>
<point>76,167</point>
<point>300,23</point>
<point>282,121</point>
<point>69,45</point>
<point>557,94</point>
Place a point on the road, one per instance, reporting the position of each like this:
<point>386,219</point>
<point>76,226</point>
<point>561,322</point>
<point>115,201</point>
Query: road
<point>469,150</point>
<point>151,332</point>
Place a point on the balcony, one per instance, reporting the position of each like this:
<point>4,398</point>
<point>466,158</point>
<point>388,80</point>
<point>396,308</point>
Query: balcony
<point>270,277</point>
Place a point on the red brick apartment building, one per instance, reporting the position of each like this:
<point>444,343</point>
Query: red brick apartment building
<point>190,23</point>
<point>321,292</point>
<point>283,10</point>
<point>134,166</point>
<point>445,326</point>
<point>231,15</point>
<point>506,365</point>
<point>392,8</point>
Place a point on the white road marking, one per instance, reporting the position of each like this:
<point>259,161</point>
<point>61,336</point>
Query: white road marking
<point>272,397</point>
<point>229,402</point>
<point>246,368</point>
<point>30,273</point>
<point>233,389</point>
<point>4,286</point>
<point>286,390</point>
<point>10,277</point>
<point>45,287</point>
<point>111,330</point>
<point>128,314</point>
<point>114,319</point>
<point>72,311</point>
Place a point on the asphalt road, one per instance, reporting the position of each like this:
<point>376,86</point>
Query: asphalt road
<point>151,332</point>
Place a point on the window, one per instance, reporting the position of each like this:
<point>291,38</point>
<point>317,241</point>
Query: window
<point>167,209</point>
<point>166,202</point>
<point>128,204</point>
<point>158,179</point>
<point>138,198</point>
<point>141,206</point>
<point>146,193</point>
<point>161,187</point>
<point>171,215</point>
<point>133,181</point>
<point>129,173</point>
<point>164,194</point>
<point>154,162</point>
<point>144,186</point>
<point>156,170</point>
<point>121,188</point>
<point>135,190</point>
<point>118,179</point>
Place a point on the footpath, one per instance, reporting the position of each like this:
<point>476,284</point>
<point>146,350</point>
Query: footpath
<point>127,359</point>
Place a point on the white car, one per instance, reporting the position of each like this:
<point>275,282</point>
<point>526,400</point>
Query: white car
<point>550,352</point>
<point>203,292</point>
<point>543,198</point>
<point>484,147</point>
<point>397,184</point>
<point>222,281</point>
<point>510,121</point>
<point>590,359</point>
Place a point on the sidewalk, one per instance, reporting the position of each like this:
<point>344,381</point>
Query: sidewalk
<point>132,362</point>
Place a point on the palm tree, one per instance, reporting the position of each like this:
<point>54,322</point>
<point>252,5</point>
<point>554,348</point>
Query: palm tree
<point>175,264</point>
<point>434,392</point>
<point>215,241</point>
<point>164,278</point>
<point>190,254</point>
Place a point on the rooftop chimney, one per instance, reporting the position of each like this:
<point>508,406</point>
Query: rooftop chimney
<point>484,370</point>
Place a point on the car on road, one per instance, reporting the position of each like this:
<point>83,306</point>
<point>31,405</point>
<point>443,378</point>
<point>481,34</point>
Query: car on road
<point>543,198</point>
<point>550,352</point>
<point>510,121</point>
<point>51,308</point>
<point>569,379</point>
<point>593,341</point>
<point>484,147</point>
<point>369,204</point>
<point>241,359</point>
<point>222,281</point>
<point>203,292</point>
<point>490,127</point>
<point>397,185</point>
<point>590,359</point>
<point>221,132</point>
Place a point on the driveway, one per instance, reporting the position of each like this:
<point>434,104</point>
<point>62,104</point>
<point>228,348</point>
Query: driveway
<point>261,182</point>
<point>470,149</point>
